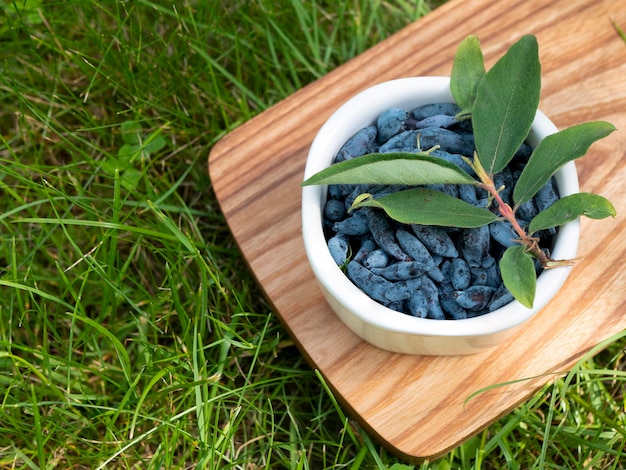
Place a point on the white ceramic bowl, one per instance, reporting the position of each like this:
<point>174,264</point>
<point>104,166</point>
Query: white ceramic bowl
<point>386,328</point>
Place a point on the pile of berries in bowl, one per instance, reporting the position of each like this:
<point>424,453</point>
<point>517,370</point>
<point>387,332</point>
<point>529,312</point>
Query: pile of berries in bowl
<point>420,289</point>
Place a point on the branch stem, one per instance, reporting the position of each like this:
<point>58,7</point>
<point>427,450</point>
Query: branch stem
<point>531,243</point>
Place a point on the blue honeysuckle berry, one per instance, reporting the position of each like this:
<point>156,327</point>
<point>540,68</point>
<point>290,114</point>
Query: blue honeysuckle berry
<point>503,233</point>
<point>467,193</point>
<point>365,248</point>
<point>431,292</point>
<point>390,123</point>
<point>384,235</point>
<point>491,270</point>
<point>402,142</point>
<point>448,303</point>
<point>460,274</point>
<point>436,239</point>
<point>355,224</point>
<point>448,141</point>
<point>377,287</point>
<point>376,259</point>
<point>474,298</point>
<point>401,271</point>
<point>437,120</point>
<point>339,247</point>
<point>478,276</point>
<point>334,210</point>
<point>475,243</point>
<point>336,191</point>
<point>418,304</point>
<point>415,249</point>
<point>425,139</point>
<point>546,196</point>
<point>361,143</point>
<point>428,110</point>
<point>500,298</point>
<point>526,210</point>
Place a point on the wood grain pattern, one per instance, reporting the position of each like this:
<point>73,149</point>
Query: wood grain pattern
<point>416,405</point>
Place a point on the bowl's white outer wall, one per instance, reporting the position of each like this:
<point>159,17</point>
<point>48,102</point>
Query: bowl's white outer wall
<point>372,321</point>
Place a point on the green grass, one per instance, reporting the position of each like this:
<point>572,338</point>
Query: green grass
<point>132,334</point>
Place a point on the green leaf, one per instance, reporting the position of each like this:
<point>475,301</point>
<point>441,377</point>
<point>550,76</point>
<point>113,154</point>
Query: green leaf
<point>518,274</point>
<point>428,207</point>
<point>555,151</point>
<point>131,132</point>
<point>571,207</point>
<point>127,153</point>
<point>153,143</point>
<point>130,178</point>
<point>506,104</point>
<point>392,168</point>
<point>468,70</point>
<point>113,164</point>
<point>144,147</point>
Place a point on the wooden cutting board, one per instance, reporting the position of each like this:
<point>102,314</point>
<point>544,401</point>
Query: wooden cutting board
<point>416,406</point>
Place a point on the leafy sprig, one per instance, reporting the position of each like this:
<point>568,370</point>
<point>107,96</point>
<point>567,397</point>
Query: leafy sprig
<point>501,103</point>
<point>137,148</point>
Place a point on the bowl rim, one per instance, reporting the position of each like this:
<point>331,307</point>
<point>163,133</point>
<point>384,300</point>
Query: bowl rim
<point>360,111</point>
